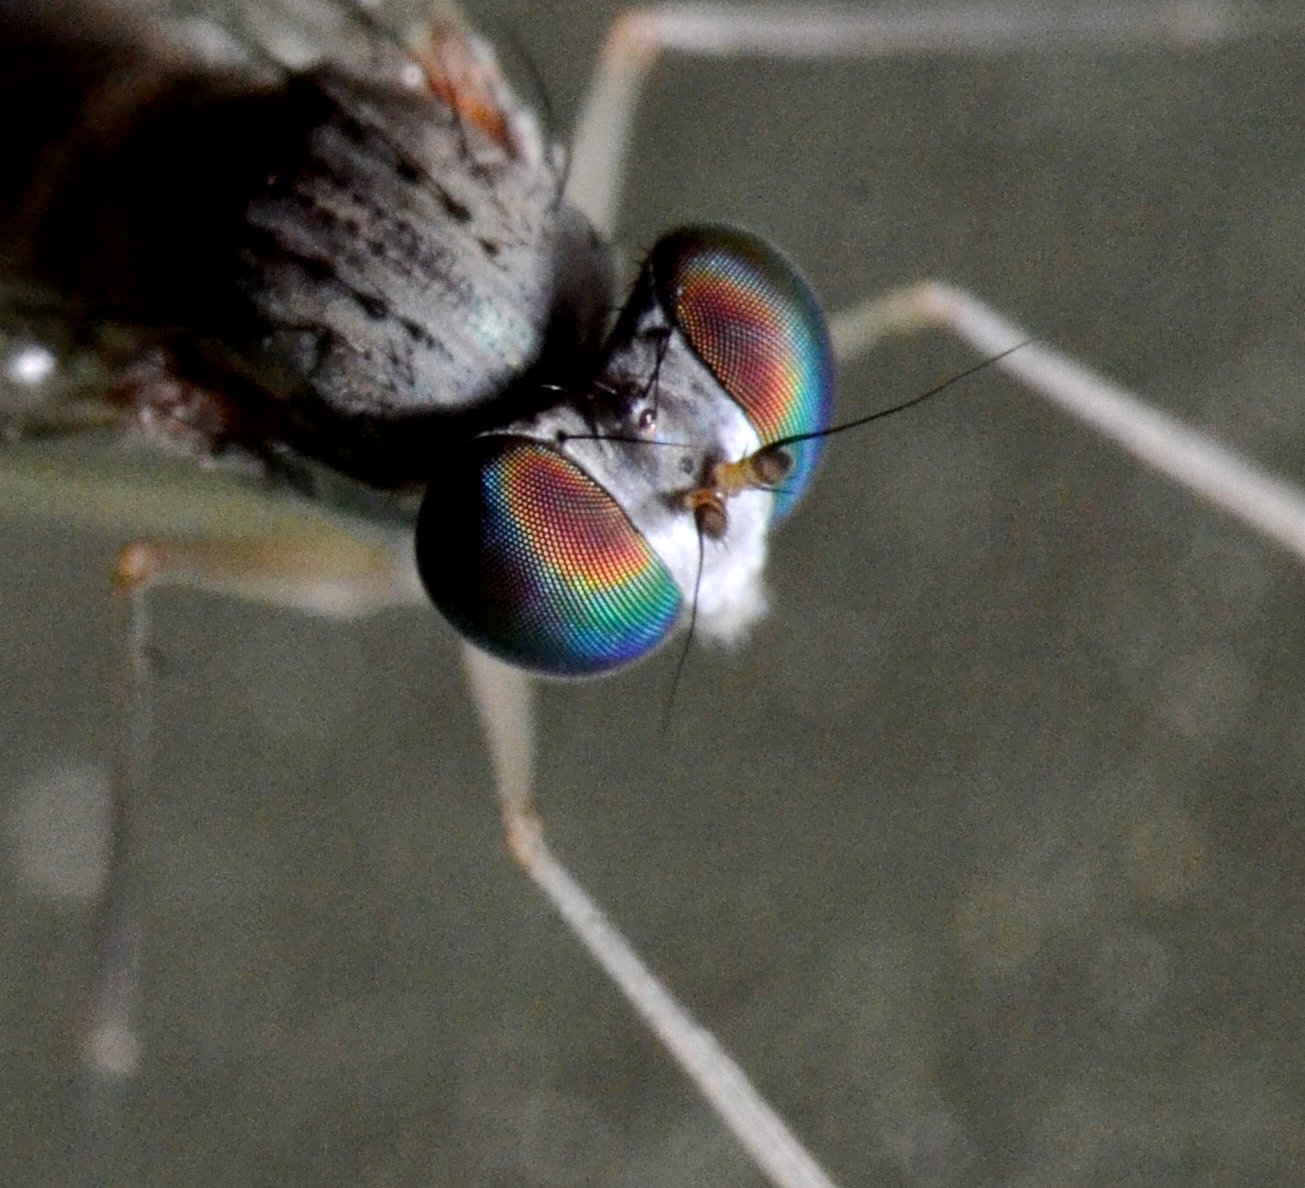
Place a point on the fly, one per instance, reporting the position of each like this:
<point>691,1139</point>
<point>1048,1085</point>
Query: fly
<point>362,280</point>
<point>371,283</point>
<point>865,1015</point>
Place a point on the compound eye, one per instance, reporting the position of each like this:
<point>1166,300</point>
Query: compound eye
<point>756,325</point>
<point>533,561</point>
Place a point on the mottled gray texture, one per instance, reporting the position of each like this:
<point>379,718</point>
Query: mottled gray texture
<point>986,856</point>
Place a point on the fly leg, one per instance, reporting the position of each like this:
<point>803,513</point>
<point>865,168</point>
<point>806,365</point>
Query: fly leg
<point>504,697</point>
<point>325,570</point>
<point>795,32</point>
<point>1268,504</point>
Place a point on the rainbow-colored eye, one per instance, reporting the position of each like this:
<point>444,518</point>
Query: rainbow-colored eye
<point>755,323</point>
<point>535,562</point>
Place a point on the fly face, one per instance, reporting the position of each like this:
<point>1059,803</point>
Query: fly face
<point>573,542</point>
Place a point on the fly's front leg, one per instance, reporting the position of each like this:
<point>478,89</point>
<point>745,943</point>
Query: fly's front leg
<point>504,697</point>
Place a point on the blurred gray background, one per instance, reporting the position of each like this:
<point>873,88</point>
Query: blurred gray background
<point>986,856</point>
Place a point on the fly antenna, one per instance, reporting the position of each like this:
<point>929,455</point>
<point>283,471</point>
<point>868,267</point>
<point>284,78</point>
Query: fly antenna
<point>682,662</point>
<point>936,390</point>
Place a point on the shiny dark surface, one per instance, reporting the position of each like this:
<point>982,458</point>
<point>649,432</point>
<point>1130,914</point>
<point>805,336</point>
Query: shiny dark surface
<point>535,562</point>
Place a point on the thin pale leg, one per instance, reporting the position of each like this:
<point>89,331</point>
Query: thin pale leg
<point>1217,474</point>
<point>243,542</point>
<point>346,584</point>
<point>111,1046</point>
<point>109,1040</point>
<point>505,699</point>
<point>351,579</point>
<point>795,32</point>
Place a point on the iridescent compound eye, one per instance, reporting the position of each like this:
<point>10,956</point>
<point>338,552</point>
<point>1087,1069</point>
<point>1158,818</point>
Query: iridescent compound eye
<point>755,323</point>
<point>535,562</point>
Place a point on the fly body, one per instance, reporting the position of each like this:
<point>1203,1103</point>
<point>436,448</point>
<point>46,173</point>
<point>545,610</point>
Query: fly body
<point>985,854</point>
<point>351,271</point>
